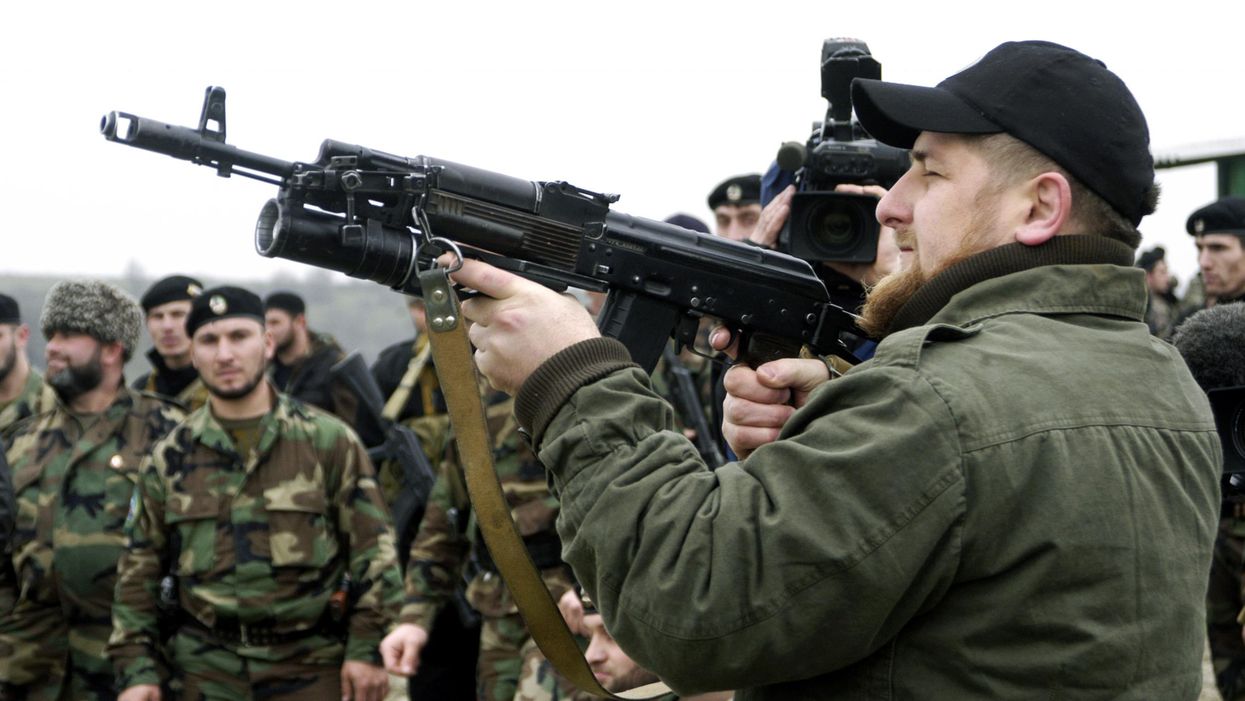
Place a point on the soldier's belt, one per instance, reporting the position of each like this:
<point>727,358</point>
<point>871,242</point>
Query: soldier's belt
<point>232,631</point>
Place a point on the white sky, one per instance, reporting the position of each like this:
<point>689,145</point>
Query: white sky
<point>657,101</point>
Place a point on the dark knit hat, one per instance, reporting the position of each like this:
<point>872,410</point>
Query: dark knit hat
<point>1223,216</point>
<point>687,221</point>
<point>1147,260</point>
<point>285,301</point>
<point>10,313</point>
<point>739,190</point>
<point>221,303</point>
<point>1061,102</point>
<point>93,307</point>
<point>174,288</point>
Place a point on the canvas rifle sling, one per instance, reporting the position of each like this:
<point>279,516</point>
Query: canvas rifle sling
<point>456,372</point>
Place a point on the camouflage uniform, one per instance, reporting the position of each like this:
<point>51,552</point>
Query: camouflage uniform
<point>182,386</point>
<point>259,546</point>
<point>36,398</point>
<point>448,538</point>
<point>73,484</point>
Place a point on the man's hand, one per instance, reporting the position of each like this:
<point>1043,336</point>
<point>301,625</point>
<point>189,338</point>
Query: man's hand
<point>759,402</point>
<point>402,647</point>
<point>363,682</point>
<point>142,692</point>
<point>520,324</point>
<point>572,609</point>
<point>773,218</point>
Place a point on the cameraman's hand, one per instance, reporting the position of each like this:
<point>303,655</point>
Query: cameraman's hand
<point>519,324</point>
<point>759,402</point>
<point>572,609</point>
<point>773,218</point>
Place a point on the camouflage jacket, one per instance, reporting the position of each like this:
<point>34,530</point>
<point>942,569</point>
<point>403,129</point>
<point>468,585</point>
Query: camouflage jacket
<point>36,397</point>
<point>182,386</point>
<point>72,489</point>
<point>448,538</point>
<point>262,540</point>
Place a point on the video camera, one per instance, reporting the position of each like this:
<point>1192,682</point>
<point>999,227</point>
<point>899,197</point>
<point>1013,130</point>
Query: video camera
<point>825,225</point>
<point>1228,404</point>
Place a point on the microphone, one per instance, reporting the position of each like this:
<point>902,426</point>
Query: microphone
<point>1212,343</point>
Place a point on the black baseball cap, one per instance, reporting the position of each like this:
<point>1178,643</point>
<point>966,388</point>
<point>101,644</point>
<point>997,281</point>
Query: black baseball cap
<point>1064,104</point>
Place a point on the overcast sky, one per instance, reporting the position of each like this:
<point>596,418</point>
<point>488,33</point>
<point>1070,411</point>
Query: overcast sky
<point>657,101</point>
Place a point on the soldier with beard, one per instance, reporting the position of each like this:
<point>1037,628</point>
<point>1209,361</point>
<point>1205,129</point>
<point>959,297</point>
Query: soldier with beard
<point>165,306</point>
<point>267,512</point>
<point>22,390</point>
<point>73,473</point>
<point>303,361</point>
<point>993,506</point>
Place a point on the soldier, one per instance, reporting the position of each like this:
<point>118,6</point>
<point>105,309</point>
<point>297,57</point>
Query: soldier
<point>267,514</point>
<point>449,545</point>
<point>1219,231</point>
<point>73,473</point>
<point>302,366</point>
<point>22,390</point>
<point>736,206</point>
<point>165,306</point>
<point>404,372</point>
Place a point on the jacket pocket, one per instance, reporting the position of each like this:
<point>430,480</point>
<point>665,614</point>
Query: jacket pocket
<point>193,520</point>
<point>298,526</point>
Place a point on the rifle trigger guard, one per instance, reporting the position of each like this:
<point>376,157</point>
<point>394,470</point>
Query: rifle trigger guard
<point>458,252</point>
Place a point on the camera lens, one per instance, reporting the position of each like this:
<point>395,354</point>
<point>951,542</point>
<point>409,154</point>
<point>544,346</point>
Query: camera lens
<point>834,227</point>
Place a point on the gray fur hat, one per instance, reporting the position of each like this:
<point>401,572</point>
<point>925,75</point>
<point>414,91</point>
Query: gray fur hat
<point>95,308</point>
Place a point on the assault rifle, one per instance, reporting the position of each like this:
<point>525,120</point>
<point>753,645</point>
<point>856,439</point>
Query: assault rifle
<point>381,217</point>
<point>401,445</point>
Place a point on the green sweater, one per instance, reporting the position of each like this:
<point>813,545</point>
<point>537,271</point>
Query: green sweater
<point>1016,498</point>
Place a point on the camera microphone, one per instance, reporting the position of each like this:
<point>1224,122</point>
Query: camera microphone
<point>1212,343</point>
<point>791,155</point>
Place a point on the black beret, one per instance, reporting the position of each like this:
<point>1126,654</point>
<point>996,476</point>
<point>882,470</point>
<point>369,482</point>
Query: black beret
<point>285,301</point>
<point>221,303</point>
<point>1148,259</point>
<point>1225,216</point>
<point>739,190</point>
<point>174,288</point>
<point>10,313</point>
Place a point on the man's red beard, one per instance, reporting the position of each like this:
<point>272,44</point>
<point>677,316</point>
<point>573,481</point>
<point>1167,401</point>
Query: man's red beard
<point>892,292</point>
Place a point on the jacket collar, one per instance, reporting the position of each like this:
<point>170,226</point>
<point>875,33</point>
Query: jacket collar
<point>1047,278</point>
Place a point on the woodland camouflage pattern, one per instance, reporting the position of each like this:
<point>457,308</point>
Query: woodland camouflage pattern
<point>36,398</point>
<point>440,553</point>
<point>263,540</point>
<point>73,489</point>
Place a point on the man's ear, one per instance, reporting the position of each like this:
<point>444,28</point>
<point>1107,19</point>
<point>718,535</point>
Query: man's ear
<point>1050,205</point>
<point>112,353</point>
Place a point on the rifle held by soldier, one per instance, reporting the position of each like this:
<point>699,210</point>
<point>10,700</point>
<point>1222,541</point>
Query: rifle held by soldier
<point>380,217</point>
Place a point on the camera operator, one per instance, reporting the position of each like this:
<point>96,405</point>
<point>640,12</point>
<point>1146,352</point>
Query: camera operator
<point>1212,342</point>
<point>924,524</point>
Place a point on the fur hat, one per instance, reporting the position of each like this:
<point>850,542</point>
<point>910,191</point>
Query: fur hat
<point>95,308</point>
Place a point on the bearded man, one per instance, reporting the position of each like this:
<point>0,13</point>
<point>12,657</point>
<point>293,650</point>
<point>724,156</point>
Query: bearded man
<point>74,468</point>
<point>993,506</point>
<point>22,390</point>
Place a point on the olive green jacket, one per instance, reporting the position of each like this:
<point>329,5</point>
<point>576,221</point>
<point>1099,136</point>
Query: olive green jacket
<point>1014,499</point>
